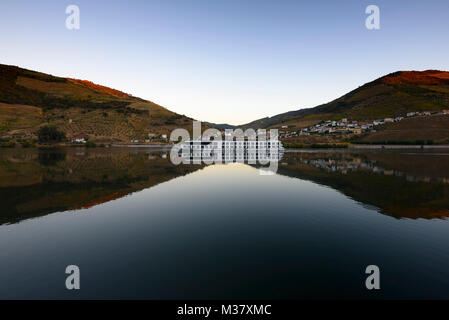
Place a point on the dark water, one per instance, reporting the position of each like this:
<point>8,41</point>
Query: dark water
<point>139,227</point>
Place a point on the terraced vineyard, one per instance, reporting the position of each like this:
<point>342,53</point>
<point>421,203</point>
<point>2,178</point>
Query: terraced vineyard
<point>29,100</point>
<point>393,95</point>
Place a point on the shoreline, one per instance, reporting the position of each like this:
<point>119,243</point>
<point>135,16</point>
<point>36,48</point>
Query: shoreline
<point>399,146</point>
<point>372,147</point>
<point>141,145</point>
<point>166,146</point>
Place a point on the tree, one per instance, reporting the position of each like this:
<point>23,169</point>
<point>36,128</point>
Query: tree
<point>50,134</point>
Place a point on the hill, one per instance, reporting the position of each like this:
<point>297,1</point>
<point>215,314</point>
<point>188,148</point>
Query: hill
<point>80,108</point>
<point>433,128</point>
<point>392,95</point>
<point>221,126</point>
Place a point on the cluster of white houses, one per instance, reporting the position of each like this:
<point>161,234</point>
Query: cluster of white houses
<point>354,127</point>
<point>151,136</point>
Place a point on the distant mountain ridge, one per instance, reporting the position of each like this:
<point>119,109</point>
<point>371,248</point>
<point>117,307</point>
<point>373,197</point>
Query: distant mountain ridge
<point>221,126</point>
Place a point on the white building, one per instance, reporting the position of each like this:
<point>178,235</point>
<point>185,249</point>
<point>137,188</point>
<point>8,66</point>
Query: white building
<point>79,140</point>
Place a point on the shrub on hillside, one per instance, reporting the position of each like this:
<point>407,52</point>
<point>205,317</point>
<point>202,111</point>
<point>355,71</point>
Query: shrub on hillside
<point>8,144</point>
<point>50,134</point>
<point>27,144</point>
<point>397,142</point>
<point>90,144</point>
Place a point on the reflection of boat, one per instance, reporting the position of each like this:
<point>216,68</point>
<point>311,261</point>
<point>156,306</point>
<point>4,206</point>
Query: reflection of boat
<point>249,151</point>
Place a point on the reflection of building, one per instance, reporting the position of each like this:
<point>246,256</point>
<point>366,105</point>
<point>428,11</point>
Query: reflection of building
<point>250,151</point>
<point>355,164</point>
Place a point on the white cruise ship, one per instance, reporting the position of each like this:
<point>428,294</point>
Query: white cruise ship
<point>249,151</point>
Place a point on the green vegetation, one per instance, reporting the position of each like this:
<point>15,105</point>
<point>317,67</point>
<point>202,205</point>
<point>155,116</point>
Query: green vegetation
<point>396,142</point>
<point>8,144</point>
<point>27,144</point>
<point>43,76</point>
<point>292,145</point>
<point>50,134</point>
<point>90,144</point>
<point>130,110</point>
<point>315,145</point>
<point>172,120</point>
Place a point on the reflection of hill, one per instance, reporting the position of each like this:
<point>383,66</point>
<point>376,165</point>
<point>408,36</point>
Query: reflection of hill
<point>400,185</point>
<point>35,183</point>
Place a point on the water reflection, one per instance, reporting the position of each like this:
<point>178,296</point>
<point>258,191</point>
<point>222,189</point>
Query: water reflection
<point>154,230</point>
<point>38,182</point>
<point>355,163</point>
<point>399,184</point>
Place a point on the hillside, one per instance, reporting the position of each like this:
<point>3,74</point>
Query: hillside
<point>434,128</point>
<point>389,96</point>
<point>80,108</point>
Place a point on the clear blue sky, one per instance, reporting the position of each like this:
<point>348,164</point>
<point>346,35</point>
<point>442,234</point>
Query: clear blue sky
<point>225,60</point>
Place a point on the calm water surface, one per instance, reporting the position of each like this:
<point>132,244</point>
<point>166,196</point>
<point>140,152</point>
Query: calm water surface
<point>140,227</point>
